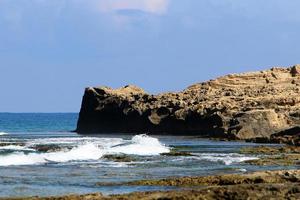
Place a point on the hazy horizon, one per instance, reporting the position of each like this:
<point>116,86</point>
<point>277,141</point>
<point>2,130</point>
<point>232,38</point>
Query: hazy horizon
<point>51,50</point>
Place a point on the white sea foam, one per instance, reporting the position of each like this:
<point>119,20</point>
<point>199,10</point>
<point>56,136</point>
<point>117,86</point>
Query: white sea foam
<point>84,152</point>
<point>16,148</point>
<point>242,170</point>
<point>87,149</point>
<point>141,145</point>
<point>105,142</point>
<point>3,133</point>
<point>20,158</point>
<point>227,159</point>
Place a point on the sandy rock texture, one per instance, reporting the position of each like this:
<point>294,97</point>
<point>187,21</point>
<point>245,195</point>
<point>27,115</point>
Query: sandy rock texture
<point>257,105</point>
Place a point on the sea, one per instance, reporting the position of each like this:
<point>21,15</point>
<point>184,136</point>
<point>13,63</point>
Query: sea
<point>41,155</point>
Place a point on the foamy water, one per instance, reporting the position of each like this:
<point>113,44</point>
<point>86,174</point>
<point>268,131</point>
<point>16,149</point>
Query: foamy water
<point>142,145</point>
<point>39,156</point>
<point>3,133</point>
<point>84,149</point>
<point>16,148</point>
<point>227,159</point>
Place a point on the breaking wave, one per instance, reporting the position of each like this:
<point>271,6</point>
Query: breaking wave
<point>3,133</point>
<point>142,145</point>
<point>83,149</point>
<point>16,148</point>
<point>227,159</point>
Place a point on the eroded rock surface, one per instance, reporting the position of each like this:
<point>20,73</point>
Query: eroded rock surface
<point>274,155</point>
<point>238,106</point>
<point>232,192</point>
<point>265,177</point>
<point>258,185</point>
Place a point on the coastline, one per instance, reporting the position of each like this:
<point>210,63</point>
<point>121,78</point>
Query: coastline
<point>276,184</point>
<point>281,184</point>
<point>261,106</point>
<point>149,100</point>
<point>258,107</point>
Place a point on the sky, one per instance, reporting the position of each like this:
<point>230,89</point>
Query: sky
<point>50,50</point>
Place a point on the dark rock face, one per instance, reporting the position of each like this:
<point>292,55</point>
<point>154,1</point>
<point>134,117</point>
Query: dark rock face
<point>106,111</point>
<point>237,106</point>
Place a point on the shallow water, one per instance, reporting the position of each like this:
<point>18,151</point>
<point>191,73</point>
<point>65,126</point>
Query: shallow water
<point>38,156</point>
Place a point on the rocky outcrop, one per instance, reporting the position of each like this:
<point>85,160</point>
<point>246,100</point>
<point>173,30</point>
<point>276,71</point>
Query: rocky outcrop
<point>238,106</point>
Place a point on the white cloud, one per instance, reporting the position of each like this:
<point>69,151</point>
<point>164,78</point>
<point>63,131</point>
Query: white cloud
<point>157,7</point>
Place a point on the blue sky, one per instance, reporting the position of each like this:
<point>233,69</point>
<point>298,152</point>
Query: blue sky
<point>50,50</point>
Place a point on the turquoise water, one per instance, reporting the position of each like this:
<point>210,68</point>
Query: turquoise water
<point>40,155</point>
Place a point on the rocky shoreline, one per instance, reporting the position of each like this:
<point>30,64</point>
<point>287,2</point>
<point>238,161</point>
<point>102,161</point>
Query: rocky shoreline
<point>280,184</point>
<point>259,106</point>
<point>274,156</point>
<point>284,184</point>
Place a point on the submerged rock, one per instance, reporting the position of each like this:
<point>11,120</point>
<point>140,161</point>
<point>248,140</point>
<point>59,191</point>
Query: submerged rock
<point>271,150</point>
<point>119,158</point>
<point>269,191</point>
<point>50,148</point>
<point>177,153</point>
<point>277,160</point>
<point>270,155</point>
<point>234,192</point>
<point>258,185</point>
<point>255,105</point>
<point>3,144</point>
<point>283,176</point>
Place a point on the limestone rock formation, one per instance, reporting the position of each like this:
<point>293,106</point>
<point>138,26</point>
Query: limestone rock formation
<point>236,106</point>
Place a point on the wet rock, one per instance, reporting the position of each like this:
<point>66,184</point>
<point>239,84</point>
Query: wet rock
<point>277,160</point>
<point>259,185</point>
<point>119,158</point>
<point>50,148</point>
<point>259,191</point>
<point>283,176</point>
<point>177,153</point>
<point>282,156</point>
<point>290,191</point>
<point>249,106</point>
<point>271,150</point>
<point>3,144</point>
<point>95,196</point>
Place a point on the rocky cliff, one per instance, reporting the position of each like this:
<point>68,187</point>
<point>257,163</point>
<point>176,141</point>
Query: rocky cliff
<point>237,106</point>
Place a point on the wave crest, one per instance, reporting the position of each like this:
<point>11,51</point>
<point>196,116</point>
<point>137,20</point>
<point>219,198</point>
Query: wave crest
<point>3,133</point>
<point>84,150</point>
<point>142,145</point>
<point>227,159</point>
